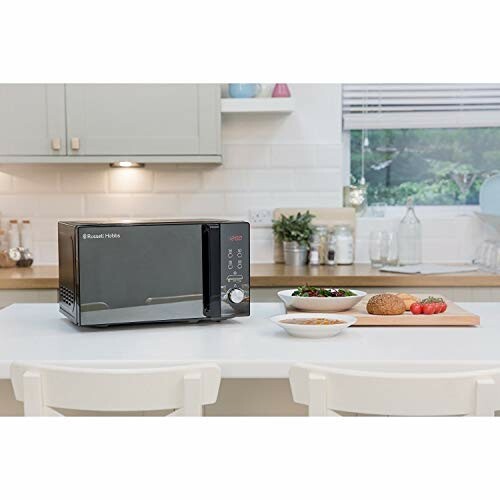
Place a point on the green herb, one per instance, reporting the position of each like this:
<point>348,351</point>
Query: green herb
<point>312,291</point>
<point>294,228</point>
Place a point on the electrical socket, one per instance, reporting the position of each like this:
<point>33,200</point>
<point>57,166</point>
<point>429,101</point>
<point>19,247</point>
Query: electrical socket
<point>260,216</point>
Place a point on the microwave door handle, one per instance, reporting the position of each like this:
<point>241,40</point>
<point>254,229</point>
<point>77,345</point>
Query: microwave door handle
<point>211,270</point>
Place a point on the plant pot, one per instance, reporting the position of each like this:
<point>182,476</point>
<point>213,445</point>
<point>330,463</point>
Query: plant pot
<point>295,253</point>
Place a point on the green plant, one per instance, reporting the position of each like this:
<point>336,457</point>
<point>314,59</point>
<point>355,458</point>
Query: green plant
<point>294,227</point>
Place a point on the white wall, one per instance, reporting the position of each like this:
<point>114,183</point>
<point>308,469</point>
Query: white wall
<point>269,161</point>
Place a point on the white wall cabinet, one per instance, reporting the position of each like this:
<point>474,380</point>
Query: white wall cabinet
<point>32,120</point>
<point>108,122</point>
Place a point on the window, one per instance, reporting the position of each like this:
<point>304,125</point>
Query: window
<point>435,142</point>
<point>435,166</point>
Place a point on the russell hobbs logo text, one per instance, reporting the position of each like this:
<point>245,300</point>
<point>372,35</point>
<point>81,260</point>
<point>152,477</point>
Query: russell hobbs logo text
<point>101,236</point>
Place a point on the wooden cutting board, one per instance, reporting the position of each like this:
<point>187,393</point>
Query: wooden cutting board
<point>453,316</point>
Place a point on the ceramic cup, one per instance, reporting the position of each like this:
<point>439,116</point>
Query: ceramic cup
<point>243,90</point>
<point>281,90</point>
<point>266,90</point>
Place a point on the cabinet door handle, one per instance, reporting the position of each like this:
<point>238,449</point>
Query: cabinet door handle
<point>75,143</point>
<point>56,143</point>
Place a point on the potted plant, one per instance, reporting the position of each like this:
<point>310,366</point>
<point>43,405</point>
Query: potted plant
<point>294,232</point>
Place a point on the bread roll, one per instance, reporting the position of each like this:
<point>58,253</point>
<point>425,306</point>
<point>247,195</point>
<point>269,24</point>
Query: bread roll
<point>386,304</point>
<point>407,299</point>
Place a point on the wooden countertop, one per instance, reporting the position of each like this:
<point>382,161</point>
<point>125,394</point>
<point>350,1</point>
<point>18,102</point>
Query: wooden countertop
<point>279,275</point>
<point>362,275</point>
<point>29,277</point>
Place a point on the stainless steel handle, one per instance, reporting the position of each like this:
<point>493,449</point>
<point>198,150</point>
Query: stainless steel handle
<point>75,143</point>
<point>56,143</point>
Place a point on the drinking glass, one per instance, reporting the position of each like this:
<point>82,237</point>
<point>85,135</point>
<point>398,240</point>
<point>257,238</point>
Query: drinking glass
<point>392,249</point>
<point>464,181</point>
<point>486,255</point>
<point>379,248</point>
<point>378,209</point>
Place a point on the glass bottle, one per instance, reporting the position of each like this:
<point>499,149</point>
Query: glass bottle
<point>330,254</point>
<point>314,249</point>
<point>410,237</point>
<point>26,235</point>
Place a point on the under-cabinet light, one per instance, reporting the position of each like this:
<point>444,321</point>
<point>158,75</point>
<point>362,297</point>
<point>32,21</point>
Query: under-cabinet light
<point>126,164</point>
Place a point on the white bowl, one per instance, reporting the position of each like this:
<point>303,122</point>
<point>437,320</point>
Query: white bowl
<point>332,304</point>
<point>314,331</point>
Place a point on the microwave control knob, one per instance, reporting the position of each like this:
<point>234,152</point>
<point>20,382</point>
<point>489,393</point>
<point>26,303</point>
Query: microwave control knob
<point>236,295</point>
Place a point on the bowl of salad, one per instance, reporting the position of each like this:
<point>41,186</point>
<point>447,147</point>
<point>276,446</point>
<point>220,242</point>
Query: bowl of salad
<point>312,298</point>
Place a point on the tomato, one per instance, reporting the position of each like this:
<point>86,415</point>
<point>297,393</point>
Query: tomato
<point>428,308</point>
<point>437,307</point>
<point>444,307</point>
<point>416,308</point>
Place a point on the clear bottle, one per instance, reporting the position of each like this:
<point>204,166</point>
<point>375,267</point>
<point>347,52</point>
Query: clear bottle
<point>13,234</point>
<point>410,237</point>
<point>330,254</point>
<point>314,250</point>
<point>27,235</point>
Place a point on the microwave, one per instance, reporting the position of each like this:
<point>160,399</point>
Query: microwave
<point>122,272</point>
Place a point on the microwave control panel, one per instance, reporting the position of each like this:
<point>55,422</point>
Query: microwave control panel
<point>235,268</point>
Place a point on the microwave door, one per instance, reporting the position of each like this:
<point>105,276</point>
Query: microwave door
<point>148,273</point>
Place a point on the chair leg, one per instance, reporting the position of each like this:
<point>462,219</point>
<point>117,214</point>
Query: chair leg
<point>317,395</point>
<point>33,402</point>
<point>485,396</point>
<point>192,395</point>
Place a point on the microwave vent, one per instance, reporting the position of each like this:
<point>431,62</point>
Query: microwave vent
<point>66,296</point>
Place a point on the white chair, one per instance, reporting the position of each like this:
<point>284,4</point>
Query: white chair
<point>328,390</point>
<point>185,388</point>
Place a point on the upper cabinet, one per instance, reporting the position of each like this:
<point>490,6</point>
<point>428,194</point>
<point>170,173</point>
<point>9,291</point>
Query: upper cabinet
<point>108,122</point>
<point>32,120</point>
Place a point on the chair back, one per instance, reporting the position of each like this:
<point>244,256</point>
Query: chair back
<point>328,390</point>
<point>44,388</point>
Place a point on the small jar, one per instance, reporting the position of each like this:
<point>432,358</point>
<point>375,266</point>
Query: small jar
<point>314,251</point>
<point>344,245</point>
<point>330,254</point>
<point>322,233</point>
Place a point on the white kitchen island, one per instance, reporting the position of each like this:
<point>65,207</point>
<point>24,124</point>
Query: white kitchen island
<point>254,354</point>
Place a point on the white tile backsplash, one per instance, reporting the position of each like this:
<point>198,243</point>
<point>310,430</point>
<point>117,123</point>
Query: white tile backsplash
<point>130,180</point>
<point>177,179</point>
<point>5,182</point>
<point>293,155</point>
<point>35,179</point>
<point>201,205</point>
<point>246,155</point>
<point>84,179</point>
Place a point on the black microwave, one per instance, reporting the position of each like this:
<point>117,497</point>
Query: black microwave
<point>121,272</point>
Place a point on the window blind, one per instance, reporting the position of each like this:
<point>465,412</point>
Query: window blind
<point>430,105</point>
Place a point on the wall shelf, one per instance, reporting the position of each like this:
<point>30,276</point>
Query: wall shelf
<point>258,105</point>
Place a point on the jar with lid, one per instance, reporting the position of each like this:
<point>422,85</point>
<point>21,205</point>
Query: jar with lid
<point>322,233</point>
<point>314,250</point>
<point>344,245</point>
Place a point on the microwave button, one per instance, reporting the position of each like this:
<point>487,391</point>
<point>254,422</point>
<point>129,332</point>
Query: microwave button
<point>236,295</point>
